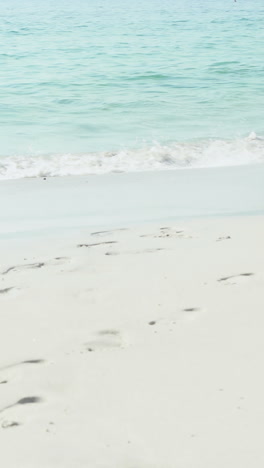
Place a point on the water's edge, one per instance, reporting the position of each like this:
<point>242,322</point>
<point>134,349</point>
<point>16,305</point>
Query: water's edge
<point>196,154</point>
<point>118,200</point>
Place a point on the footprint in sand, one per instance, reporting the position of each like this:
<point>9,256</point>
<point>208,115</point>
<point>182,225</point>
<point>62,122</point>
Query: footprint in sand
<point>167,232</point>
<point>170,232</point>
<point>96,244</point>
<point>158,249</point>
<point>192,313</point>
<point>34,266</point>
<point>23,401</point>
<point>8,424</point>
<point>235,279</point>
<point>105,340</point>
<point>29,400</point>
<point>6,290</point>
<point>10,292</point>
<point>106,233</point>
<point>23,267</point>
<point>168,324</point>
<point>28,361</point>
<point>223,238</point>
<point>134,252</point>
<point>5,369</point>
<point>162,324</point>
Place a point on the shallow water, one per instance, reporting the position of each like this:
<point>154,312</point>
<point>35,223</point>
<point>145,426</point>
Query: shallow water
<point>96,86</point>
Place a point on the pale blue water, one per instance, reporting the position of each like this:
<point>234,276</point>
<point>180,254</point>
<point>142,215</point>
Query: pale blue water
<point>154,82</point>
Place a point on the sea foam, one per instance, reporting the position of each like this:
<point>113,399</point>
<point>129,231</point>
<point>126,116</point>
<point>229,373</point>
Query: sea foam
<point>210,153</point>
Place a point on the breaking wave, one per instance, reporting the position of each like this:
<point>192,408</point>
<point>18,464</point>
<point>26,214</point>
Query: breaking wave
<point>207,153</point>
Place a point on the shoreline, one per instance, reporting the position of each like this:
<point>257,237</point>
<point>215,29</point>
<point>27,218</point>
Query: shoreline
<point>129,199</point>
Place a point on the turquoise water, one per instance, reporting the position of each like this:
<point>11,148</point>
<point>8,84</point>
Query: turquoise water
<point>90,85</point>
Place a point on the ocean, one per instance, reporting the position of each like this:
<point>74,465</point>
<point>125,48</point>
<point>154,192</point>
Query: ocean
<point>96,86</point>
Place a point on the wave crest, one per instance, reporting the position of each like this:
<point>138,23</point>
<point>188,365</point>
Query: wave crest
<point>209,153</point>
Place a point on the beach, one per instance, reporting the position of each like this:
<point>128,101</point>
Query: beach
<point>133,339</point>
<point>131,234</point>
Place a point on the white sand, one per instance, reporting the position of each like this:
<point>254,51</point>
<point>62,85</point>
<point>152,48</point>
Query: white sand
<point>129,377</point>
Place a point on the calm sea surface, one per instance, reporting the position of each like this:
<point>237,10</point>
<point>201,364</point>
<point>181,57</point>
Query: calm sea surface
<point>90,86</point>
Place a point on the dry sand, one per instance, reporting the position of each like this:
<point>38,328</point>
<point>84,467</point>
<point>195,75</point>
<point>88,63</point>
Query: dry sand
<point>135,348</point>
